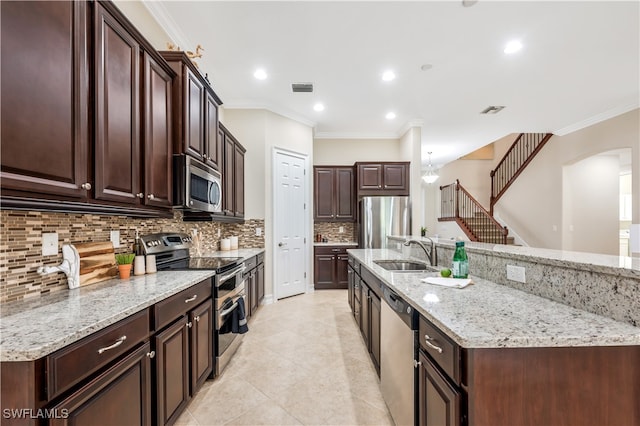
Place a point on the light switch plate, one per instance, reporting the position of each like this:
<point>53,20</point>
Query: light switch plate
<point>258,232</point>
<point>341,230</point>
<point>50,244</point>
<point>516,273</point>
<point>115,238</point>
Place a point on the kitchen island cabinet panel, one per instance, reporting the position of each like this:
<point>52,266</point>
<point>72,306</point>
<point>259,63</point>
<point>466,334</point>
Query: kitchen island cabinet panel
<point>117,127</point>
<point>45,103</point>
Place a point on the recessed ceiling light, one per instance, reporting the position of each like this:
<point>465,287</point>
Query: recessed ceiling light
<point>388,76</point>
<point>318,107</point>
<point>390,115</point>
<point>512,47</point>
<point>260,74</point>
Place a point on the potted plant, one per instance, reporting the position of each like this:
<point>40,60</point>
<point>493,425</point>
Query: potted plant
<point>124,261</point>
<point>423,231</point>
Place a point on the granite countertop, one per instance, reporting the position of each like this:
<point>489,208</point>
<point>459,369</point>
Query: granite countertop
<point>33,328</point>
<point>336,243</point>
<point>489,315</point>
<point>627,266</point>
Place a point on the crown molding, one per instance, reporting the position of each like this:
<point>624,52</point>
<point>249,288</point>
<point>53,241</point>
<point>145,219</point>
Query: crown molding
<point>164,19</point>
<point>597,119</point>
<point>354,135</point>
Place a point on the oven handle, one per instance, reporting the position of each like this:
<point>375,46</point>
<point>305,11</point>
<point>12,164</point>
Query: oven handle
<point>225,277</point>
<point>227,311</point>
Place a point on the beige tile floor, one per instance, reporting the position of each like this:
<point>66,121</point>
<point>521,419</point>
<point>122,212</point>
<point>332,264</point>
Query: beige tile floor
<point>303,362</point>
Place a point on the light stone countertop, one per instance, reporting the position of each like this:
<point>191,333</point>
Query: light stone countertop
<point>336,243</point>
<point>33,328</point>
<point>489,315</point>
<point>627,266</point>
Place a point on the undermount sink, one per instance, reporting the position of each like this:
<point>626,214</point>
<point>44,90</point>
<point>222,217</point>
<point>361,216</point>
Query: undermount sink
<point>403,265</point>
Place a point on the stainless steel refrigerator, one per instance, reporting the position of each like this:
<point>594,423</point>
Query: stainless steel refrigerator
<point>383,216</point>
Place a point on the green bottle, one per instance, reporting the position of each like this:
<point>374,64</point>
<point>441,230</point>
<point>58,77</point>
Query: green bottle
<point>460,266</point>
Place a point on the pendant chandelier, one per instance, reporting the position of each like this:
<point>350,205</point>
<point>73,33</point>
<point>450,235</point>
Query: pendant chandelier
<point>430,176</point>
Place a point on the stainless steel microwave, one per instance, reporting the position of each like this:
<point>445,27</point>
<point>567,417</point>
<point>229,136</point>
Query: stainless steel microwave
<point>196,186</point>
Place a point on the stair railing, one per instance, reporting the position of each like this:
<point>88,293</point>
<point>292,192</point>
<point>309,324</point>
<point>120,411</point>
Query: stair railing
<point>456,204</point>
<point>524,148</point>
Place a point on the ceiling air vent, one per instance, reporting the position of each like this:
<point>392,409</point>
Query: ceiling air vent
<point>492,109</point>
<point>302,87</point>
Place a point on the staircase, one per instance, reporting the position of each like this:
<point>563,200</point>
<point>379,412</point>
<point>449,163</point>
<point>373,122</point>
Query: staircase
<point>478,224</point>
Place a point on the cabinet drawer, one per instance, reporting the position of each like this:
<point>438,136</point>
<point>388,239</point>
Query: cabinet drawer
<point>178,304</point>
<point>331,249</point>
<point>251,263</point>
<point>442,350</point>
<point>260,258</point>
<point>77,361</point>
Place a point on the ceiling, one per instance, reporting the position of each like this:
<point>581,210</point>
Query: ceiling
<point>580,63</point>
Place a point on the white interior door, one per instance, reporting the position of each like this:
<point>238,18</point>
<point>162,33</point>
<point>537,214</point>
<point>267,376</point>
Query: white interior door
<point>290,225</point>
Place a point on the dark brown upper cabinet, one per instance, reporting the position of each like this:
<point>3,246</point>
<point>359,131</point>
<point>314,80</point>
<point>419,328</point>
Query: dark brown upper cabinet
<point>88,133</point>
<point>195,113</point>
<point>333,193</point>
<point>382,178</point>
<point>232,175</point>
<point>117,115</point>
<point>157,140</point>
<point>45,98</point>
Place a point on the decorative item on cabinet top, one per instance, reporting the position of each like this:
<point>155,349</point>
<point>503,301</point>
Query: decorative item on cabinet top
<point>190,54</point>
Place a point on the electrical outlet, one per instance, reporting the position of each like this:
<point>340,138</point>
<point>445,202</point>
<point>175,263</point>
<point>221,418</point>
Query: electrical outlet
<point>114,236</point>
<point>516,273</point>
<point>341,230</point>
<point>258,232</point>
<point>50,244</point>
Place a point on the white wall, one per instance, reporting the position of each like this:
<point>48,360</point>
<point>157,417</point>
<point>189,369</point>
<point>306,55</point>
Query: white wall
<point>590,192</point>
<point>140,17</point>
<point>345,152</point>
<point>260,131</point>
<point>533,205</point>
<point>410,149</point>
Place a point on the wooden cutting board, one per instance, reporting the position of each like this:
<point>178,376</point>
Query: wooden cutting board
<point>97,262</point>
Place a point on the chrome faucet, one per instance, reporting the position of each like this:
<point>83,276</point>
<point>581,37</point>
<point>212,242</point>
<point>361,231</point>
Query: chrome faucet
<point>431,254</point>
<point>70,266</point>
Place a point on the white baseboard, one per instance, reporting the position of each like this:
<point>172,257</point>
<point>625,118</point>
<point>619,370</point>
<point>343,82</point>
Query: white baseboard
<point>268,299</point>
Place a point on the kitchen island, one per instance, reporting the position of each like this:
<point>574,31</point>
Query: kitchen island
<point>489,354</point>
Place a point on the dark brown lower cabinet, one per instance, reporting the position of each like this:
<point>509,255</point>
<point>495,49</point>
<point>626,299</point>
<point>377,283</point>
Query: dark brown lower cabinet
<point>370,321</point>
<point>330,266</point>
<point>439,401</point>
<point>119,396</point>
<point>172,371</point>
<point>260,278</point>
<point>202,350</point>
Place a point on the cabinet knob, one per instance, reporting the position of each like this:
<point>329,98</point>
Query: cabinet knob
<point>197,318</point>
<point>189,324</point>
<point>379,186</point>
<point>86,186</point>
<point>204,156</point>
<point>151,196</point>
<point>151,354</point>
<point>140,195</point>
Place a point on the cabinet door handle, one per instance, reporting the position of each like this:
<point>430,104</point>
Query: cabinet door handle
<point>140,195</point>
<point>151,354</point>
<point>115,345</point>
<point>191,299</point>
<point>151,196</point>
<point>86,186</point>
<point>189,324</point>
<point>427,341</point>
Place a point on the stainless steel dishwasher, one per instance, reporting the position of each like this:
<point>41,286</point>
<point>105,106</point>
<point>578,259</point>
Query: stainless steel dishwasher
<point>397,372</point>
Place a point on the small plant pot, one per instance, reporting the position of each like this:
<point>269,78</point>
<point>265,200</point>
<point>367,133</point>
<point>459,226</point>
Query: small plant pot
<point>423,233</point>
<point>124,271</point>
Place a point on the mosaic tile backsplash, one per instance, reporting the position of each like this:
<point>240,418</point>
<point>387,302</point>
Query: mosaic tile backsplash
<point>21,242</point>
<point>331,231</point>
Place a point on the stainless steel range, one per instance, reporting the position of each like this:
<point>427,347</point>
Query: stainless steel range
<point>172,253</point>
